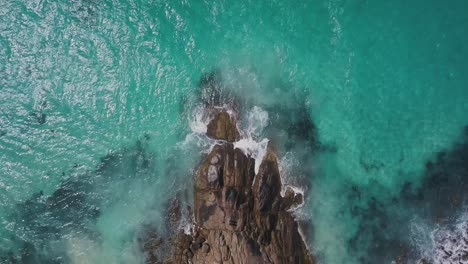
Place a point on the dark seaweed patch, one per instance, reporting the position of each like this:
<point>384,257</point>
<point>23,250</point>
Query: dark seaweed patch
<point>28,254</point>
<point>212,91</point>
<point>43,220</point>
<point>370,165</point>
<point>39,117</point>
<point>296,123</point>
<point>444,186</point>
<point>383,232</point>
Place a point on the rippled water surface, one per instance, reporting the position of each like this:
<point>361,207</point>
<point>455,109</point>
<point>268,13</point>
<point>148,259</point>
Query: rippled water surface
<point>367,102</point>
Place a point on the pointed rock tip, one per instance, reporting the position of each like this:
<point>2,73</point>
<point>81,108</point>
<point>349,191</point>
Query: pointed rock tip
<point>223,127</point>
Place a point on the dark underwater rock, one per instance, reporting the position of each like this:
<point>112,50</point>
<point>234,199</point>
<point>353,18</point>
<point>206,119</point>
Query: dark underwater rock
<point>213,93</point>
<point>210,89</point>
<point>44,220</point>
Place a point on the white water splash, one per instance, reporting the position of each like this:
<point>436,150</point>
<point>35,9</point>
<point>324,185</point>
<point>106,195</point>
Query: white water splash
<point>254,149</point>
<point>197,139</point>
<point>251,143</point>
<point>199,120</point>
<point>257,121</point>
<point>87,251</point>
<point>452,244</point>
<point>447,244</point>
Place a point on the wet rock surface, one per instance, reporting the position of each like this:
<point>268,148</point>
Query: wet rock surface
<point>239,216</point>
<point>223,127</point>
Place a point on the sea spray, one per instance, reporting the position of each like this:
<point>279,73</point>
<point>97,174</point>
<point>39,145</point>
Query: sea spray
<point>251,142</point>
<point>450,243</point>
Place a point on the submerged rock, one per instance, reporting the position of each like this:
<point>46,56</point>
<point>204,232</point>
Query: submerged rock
<point>212,92</point>
<point>239,217</point>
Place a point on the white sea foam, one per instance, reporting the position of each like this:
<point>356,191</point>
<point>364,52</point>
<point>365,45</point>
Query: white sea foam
<point>286,163</point>
<point>257,121</point>
<point>446,244</point>
<point>285,167</point>
<point>254,149</point>
<point>198,123</point>
<point>199,120</point>
<point>82,250</point>
<point>452,244</point>
<point>251,143</point>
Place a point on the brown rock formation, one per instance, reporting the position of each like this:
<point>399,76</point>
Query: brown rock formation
<point>239,217</point>
<point>223,126</point>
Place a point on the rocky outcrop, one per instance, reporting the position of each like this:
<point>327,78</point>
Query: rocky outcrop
<point>223,127</point>
<point>239,216</point>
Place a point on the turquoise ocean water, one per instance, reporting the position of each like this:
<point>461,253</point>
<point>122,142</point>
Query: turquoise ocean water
<point>98,126</point>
